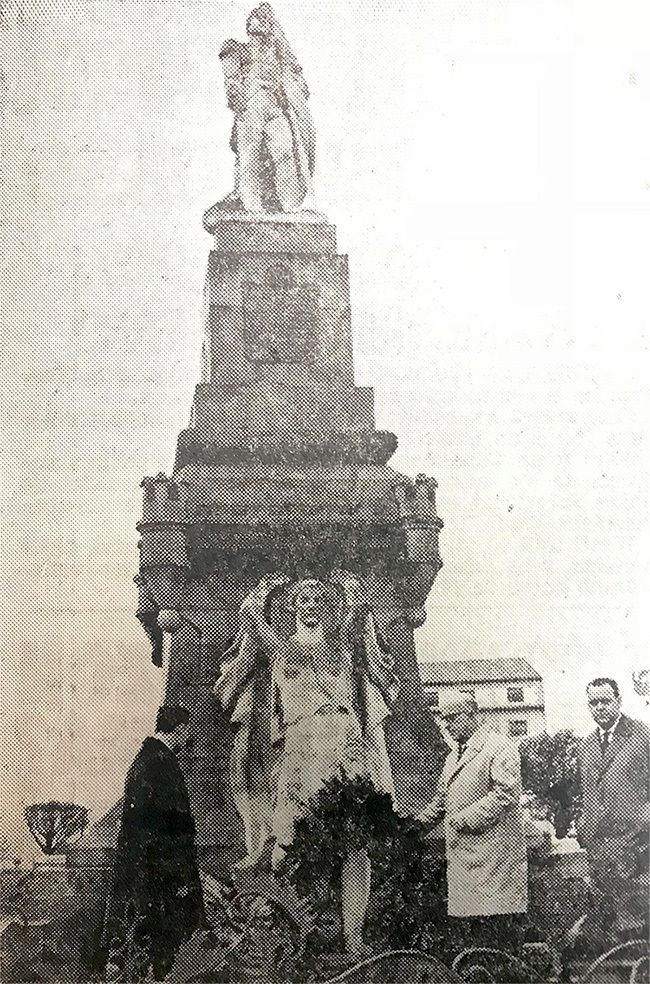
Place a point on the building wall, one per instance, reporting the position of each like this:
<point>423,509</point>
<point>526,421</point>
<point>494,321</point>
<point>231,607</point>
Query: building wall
<point>493,699</point>
<point>506,721</point>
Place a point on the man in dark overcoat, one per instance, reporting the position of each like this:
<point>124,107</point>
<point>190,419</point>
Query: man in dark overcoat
<point>614,768</point>
<point>156,900</point>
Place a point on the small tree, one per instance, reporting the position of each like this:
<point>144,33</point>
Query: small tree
<point>56,826</point>
<point>549,769</point>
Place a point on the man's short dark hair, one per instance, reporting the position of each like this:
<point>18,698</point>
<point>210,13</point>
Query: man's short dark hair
<point>605,682</point>
<point>170,716</point>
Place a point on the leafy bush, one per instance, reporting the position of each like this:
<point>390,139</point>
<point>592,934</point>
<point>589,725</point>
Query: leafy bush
<point>549,769</point>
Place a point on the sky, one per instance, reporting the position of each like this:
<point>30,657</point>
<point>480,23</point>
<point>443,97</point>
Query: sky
<point>487,164</point>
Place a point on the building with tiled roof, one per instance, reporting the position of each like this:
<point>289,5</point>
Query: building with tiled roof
<point>509,692</point>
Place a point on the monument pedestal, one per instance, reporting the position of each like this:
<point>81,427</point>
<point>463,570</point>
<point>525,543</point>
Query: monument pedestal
<point>282,469</point>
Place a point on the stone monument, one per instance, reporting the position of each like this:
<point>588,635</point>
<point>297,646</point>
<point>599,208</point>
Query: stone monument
<point>281,467</point>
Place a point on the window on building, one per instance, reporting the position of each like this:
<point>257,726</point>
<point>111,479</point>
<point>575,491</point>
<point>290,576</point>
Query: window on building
<point>517,728</point>
<point>515,695</point>
<point>434,698</point>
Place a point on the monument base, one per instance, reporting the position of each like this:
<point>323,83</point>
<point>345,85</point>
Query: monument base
<point>282,469</point>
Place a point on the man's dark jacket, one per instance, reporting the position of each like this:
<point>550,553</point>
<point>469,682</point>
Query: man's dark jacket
<point>615,791</point>
<point>156,900</point>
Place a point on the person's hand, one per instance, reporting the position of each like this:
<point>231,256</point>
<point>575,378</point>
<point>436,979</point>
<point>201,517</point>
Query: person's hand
<point>256,600</point>
<point>430,815</point>
<point>350,585</point>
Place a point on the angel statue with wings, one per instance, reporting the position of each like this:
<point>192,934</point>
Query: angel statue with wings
<point>309,702</point>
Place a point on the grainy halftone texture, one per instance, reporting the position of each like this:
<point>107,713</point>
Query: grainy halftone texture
<point>484,325</point>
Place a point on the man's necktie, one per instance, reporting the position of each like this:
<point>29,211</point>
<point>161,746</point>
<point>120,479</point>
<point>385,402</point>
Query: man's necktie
<point>604,741</point>
<point>461,748</point>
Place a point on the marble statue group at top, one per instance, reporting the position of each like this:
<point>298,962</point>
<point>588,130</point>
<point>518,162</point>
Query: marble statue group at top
<point>273,132</point>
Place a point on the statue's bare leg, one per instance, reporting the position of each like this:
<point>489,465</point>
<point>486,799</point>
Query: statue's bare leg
<point>258,834</point>
<point>250,135</point>
<point>355,895</point>
<point>279,141</point>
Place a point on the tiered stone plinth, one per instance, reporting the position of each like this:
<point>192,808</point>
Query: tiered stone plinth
<point>282,469</point>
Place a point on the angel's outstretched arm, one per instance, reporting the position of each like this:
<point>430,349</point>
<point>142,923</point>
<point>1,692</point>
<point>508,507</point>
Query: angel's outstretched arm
<point>253,611</point>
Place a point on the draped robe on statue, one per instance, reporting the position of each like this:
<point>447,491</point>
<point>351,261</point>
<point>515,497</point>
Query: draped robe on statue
<point>244,691</point>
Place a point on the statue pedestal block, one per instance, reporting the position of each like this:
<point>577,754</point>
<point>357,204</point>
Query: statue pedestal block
<point>280,232</point>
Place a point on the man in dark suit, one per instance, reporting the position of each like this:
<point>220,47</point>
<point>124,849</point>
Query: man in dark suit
<point>615,777</point>
<point>156,901</point>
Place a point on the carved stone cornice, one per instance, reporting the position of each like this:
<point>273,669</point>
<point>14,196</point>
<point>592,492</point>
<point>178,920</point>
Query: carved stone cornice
<point>370,447</point>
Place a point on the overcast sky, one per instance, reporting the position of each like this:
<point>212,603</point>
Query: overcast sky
<point>487,163</point>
